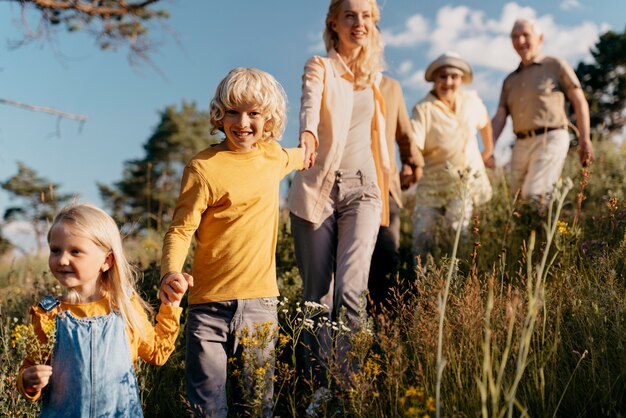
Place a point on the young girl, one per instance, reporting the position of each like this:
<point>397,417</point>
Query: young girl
<point>101,322</point>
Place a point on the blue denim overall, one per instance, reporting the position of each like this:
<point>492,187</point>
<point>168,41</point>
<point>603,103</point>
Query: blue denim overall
<point>92,370</point>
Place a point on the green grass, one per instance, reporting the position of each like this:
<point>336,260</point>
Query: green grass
<point>529,328</point>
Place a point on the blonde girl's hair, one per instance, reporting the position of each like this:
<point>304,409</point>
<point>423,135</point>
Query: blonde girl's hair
<point>245,86</point>
<point>119,281</point>
<point>370,60</point>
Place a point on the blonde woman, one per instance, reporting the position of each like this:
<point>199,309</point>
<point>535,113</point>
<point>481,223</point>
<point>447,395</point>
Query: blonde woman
<point>336,205</point>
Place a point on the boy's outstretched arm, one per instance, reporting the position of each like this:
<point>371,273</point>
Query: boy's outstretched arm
<point>173,287</point>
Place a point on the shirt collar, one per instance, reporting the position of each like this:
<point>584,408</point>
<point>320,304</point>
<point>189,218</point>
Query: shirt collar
<point>431,97</point>
<point>340,66</point>
<point>538,60</point>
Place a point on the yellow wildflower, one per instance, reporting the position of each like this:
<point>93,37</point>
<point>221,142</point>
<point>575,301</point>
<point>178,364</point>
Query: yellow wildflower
<point>430,404</point>
<point>24,337</point>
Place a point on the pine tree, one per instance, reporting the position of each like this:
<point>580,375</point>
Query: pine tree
<point>604,83</point>
<point>146,195</point>
<point>39,198</point>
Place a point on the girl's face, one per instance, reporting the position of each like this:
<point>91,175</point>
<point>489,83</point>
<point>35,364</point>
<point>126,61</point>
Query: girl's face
<point>243,126</point>
<point>77,262</point>
<point>448,80</point>
<point>353,24</point>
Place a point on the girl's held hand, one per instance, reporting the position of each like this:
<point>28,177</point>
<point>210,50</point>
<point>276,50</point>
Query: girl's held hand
<point>37,377</point>
<point>307,143</point>
<point>173,288</point>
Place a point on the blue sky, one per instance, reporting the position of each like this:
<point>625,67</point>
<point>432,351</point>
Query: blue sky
<point>205,39</point>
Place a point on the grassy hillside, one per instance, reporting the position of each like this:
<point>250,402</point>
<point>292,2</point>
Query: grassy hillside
<point>528,319</point>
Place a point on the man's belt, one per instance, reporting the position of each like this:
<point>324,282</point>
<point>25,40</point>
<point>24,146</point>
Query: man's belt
<point>536,132</point>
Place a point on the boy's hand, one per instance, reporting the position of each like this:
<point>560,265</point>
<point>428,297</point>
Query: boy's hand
<point>37,377</point>
<point>307,143</point>
<point>173,288</point>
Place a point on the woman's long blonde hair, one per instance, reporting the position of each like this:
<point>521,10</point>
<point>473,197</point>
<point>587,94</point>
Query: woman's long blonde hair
<point>370,60</point>
<point>119,281</point>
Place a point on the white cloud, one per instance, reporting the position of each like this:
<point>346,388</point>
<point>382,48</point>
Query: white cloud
<point>317,46</point>
<point>22,235</point>
<point>415,81</point>
<point>416,31</point>
<point>485,42</point>
<point>487,89</point>
<point>405,67</point>
<point>570,4</point>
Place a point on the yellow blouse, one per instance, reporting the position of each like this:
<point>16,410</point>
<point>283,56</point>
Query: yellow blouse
<point>154,346</point>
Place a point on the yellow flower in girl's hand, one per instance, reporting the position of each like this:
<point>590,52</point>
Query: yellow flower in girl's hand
<point>25,339</point>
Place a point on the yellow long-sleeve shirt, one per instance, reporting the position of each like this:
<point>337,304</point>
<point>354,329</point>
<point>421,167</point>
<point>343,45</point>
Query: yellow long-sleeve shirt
<point>229,201</point>
<point>155,346</point>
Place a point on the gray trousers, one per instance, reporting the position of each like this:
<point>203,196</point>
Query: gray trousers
<point>213,333</point>
<point>334,258</point>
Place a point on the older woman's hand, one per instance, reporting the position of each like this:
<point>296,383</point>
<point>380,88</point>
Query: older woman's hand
<point>409,176</point>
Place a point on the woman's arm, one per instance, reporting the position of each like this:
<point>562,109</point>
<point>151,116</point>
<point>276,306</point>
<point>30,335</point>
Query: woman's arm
<point>311,99</point>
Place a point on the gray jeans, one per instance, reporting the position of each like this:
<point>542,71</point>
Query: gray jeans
<point>334,259</point>
<point>214,334</point>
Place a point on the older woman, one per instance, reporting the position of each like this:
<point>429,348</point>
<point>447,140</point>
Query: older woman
<point>336,206</point>
<point>454,179</point>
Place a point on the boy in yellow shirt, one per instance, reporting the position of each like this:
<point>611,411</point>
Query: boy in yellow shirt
<point>229,200</point>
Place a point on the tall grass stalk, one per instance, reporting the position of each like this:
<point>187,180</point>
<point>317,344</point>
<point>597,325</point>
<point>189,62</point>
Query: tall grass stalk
<point>442,300</point>
<point>536,290</point>
<point>582,357</point>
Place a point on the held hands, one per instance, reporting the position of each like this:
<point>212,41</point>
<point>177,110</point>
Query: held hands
<point>488,159</point>
<point>409,176</point>
<point>35,378</point>
<point>173,288</point>
<point>307,143</point>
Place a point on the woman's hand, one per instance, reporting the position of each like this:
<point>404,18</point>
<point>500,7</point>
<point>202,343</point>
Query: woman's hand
<point>307,142</point>
<point>409,176</point>
<point>488,159</point>
<point>35,378</point>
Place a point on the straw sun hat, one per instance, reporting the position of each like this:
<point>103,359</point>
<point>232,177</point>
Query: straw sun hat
<point>449,59</point>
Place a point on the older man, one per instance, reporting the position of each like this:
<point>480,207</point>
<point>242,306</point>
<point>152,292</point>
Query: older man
<point>534,95</point>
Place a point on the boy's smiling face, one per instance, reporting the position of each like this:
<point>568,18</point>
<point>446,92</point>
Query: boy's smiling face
<point>243,126</point>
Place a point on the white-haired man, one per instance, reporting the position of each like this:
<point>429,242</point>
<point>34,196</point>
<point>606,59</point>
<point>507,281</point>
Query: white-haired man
<point>534,95</point>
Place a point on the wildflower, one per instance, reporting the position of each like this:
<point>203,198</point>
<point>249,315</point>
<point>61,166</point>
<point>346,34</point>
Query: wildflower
<point>411,391</point>
<point>430,404</point>
<point>283,339</point>
<point>19,333</point>
<point>563,227</point>
<point>24,337</point>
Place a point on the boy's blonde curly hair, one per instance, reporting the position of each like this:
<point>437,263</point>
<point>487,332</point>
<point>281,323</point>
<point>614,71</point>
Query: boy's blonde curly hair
<point>251,86</point>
